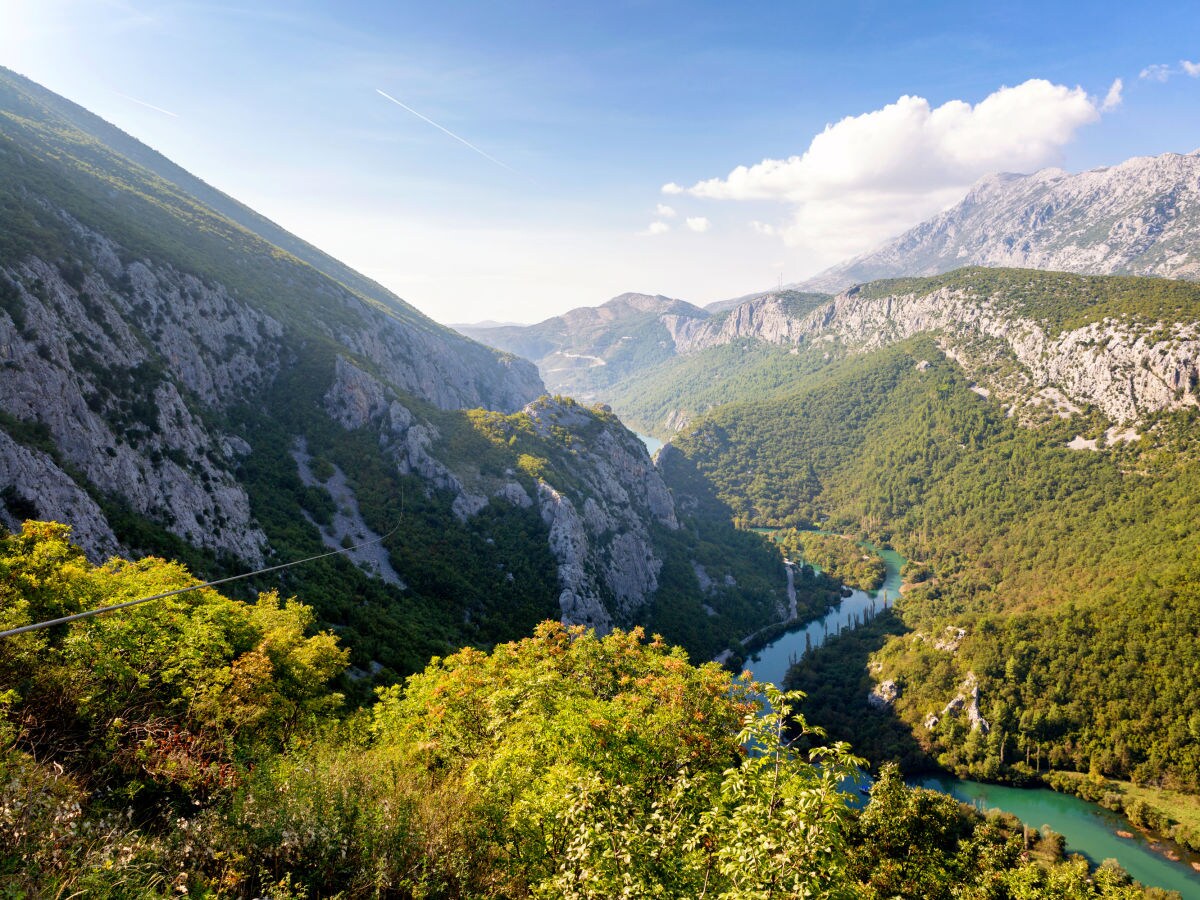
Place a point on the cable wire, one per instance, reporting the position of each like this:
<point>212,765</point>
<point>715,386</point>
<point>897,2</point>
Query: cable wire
<point>194,587</point>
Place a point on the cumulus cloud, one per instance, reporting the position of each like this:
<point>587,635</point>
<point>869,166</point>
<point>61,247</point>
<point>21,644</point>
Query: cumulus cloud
<point>665,212</point>
<point>1191,68</point>
<point>765,228</point>
<point>1113,98</point>
<point>656,228</point>
<point>1156,72</point>
<point>870,176</point>
<point>698,223</point>
<point>672,188</point>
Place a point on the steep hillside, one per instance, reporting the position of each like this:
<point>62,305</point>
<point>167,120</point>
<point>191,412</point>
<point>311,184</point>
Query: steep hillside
<point>1054,587</point>
<point>188,380</point>
<point>1141,217</point>
<point>1044,342</point>
<point>583,351</point>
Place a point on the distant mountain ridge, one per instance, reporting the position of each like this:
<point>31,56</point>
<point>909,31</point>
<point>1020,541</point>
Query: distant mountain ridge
<point>586,351</point>
<point>1042,341</point>
<point>587,348</point>
<point>1141,217</point>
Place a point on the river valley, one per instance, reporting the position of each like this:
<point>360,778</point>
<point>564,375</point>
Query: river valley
<point>1088,828</point>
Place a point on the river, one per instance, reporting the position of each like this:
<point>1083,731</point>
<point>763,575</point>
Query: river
<point>653,444</point>
<point>772,661</point>
<point>1088,828</point>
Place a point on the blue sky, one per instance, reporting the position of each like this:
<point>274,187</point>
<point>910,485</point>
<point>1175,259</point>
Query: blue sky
<point>591,108</point>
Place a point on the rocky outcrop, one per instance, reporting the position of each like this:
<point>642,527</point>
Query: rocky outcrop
<point>445,370</point>
<point>356,399</point>
<point>606,498</point>
<point>579,598</point>
<point>883,695</point>
<point>1127,369</point>
<point>106,364</point>
<point>36,488</point>
<point>965,702</point>
<point>766,318</point>
<point>1141,217</point>
<point>602,539</point>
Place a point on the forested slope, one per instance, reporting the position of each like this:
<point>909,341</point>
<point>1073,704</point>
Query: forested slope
<point>1072,572</point>
<point>180,377</point>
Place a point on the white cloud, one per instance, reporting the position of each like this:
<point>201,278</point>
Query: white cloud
<point>765,229</point>
<point>870,176</point>
<point>698,223</point>
<point>672,188</point>
<point>1113,98</point>
<point>1156,72</point>
<point>656,228</point>
<point>1191,68</point>
<point>665,211</point>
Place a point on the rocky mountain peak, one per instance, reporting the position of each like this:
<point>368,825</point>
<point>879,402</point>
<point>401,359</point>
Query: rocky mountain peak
<point>1139,217</point>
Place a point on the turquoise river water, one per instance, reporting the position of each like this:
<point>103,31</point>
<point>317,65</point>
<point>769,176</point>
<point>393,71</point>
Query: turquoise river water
<point>1088,828</point>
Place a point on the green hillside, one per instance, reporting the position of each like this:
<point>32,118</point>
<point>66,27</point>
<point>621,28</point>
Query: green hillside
<point>167,350</point>
<point>684,387</point>
<point>193,746</point>
<point>1072,572</point>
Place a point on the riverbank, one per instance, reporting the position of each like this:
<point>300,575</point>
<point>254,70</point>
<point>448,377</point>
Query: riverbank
<point>1089,828</point>
<point>1169,817</point>
<point>1097,833</point>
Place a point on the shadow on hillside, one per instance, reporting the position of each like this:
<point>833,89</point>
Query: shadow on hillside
<point>836,679</point>
<point>694,494</point>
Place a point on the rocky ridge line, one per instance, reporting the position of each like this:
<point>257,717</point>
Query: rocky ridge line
<point>1141,217</point>
<point>1126,369</point>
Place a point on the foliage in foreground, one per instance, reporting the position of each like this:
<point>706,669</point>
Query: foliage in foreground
<point>193,745</point>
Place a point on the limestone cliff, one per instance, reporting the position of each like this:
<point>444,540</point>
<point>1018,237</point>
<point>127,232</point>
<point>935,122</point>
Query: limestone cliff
<point>598,494</point>
<point>1126,365</point>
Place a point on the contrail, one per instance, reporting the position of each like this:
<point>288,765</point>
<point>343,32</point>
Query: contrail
<point>447,131</point>
<point>165,112</point>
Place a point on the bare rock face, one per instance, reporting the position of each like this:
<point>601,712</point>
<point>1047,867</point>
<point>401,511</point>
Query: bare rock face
<point>883,695</point>
<point>39,489</point>
<point>1127,369</point>
<point>765,319</point>
<point>354,398</point>
<point>1141,217</point>
<point>611,543</point>
<point>966,701</point>
<point>579,598</point>
<point>357,399</point>
<point>109,397</point>
<point>447,371</point>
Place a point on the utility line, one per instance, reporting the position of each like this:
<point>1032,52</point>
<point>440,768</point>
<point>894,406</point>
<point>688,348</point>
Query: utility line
<point>196,587</point>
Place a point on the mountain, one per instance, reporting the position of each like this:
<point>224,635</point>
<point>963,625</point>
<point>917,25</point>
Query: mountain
<point>604,353</point>
<point>1029,441</point>
<point>181,377</point>
<point>582,351</point>
<point>1042,341</point>
<point>1141,217</point>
